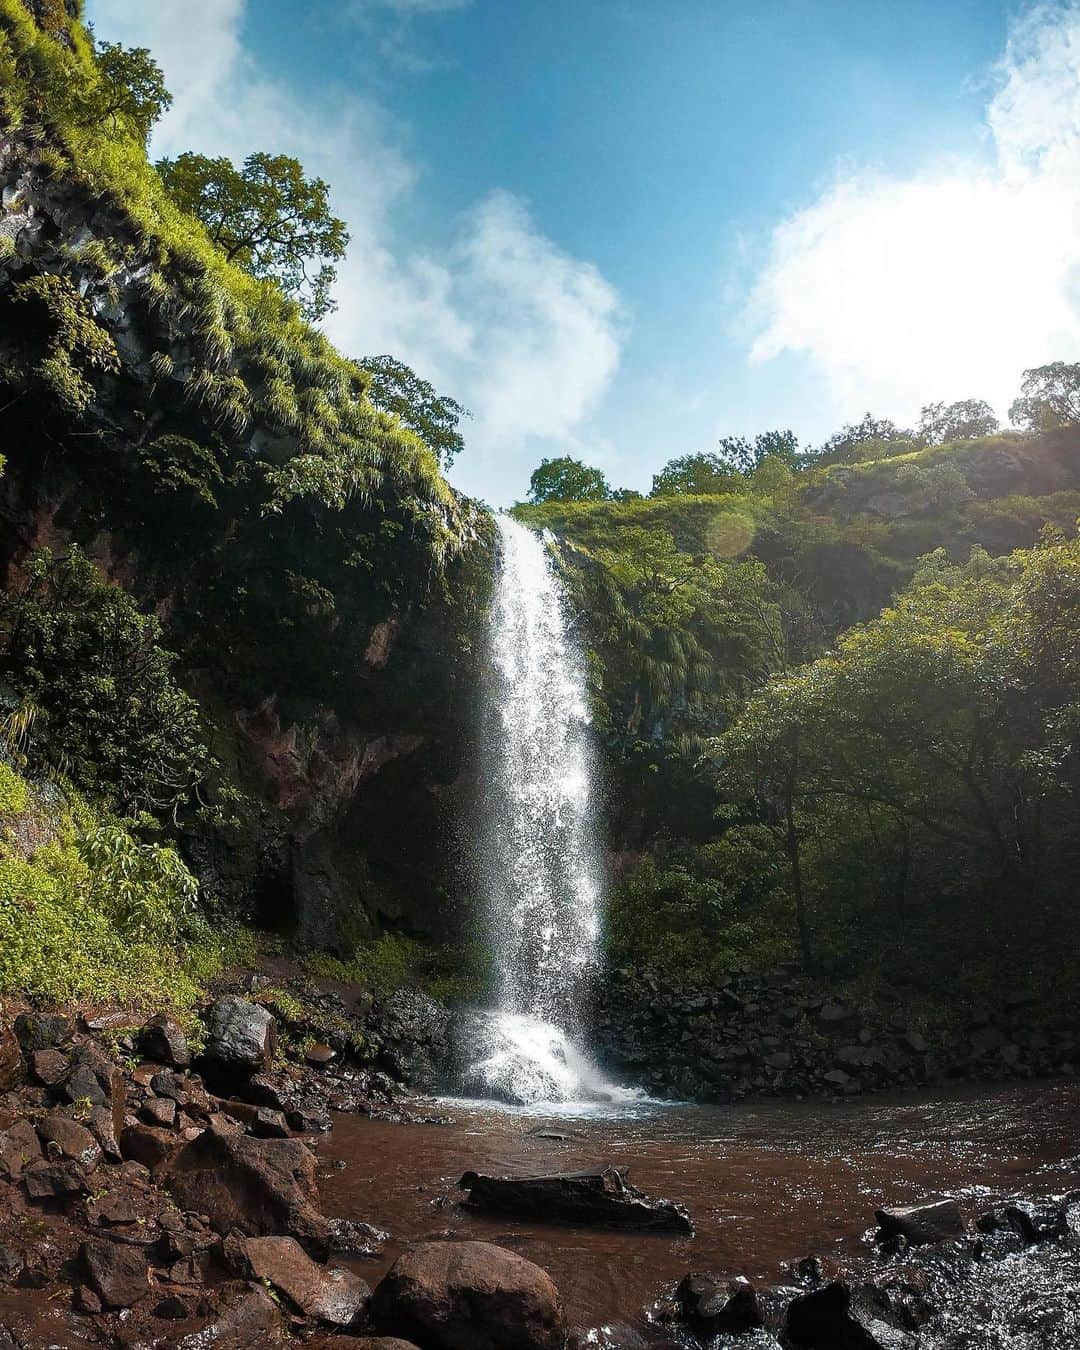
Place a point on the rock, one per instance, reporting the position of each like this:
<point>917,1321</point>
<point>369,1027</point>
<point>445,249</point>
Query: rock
<point>261,1090</point>
<point>248,1319</point>
<point>269,1124</point>
<point>335,1296</point>
<point>110,1209</point>
<point>54,1181</point>
<point>147,1145</point>
<point>469,1296</point>
<point>986,1039</point>
<point>260,1186</point>
<point>1032,1222</point>
<point>19,1145</point>
<point>822,1320</point>
<point>83,1088</point>
<point>49,1067</point>
<point>119,1275</point>
<point>67,1139</point>
<point>162,1040</point>
<point>240,1037</point>
<point>414,1032</point>
<point>711,1305</point>
<point>319,1055</point>
<point>12,1069</point>
<point>603,1198</point>
<point>42,1031</point>
<point>928,1221</point>
<point>160,1111</point>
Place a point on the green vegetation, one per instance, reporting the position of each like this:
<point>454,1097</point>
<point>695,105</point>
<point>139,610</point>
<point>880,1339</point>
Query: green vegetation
<point>397,389</point>
<point>393,961</point>
<point>266,218</point>
<point>87,911</point>
<point>567,480</point>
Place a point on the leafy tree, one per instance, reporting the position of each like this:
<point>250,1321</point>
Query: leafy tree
<point>130,89</point>
<point>567,480</point>
<point>963,421</point>
<point>1049,398</point>
<point>747,454</point>
<point>108,711</point>
<point>703,474</point>
<point>267,218</point>
<point>395,388</point>
<point>872,438</point>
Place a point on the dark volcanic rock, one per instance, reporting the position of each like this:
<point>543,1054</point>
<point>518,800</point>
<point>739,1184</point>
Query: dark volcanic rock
<point>119,1275</point>
<point>605,1198</point>
<point>162,1040</point>
<point>929,1221</point>
<point>42,1031</point>
<point>19,1145</point>
<point>331,1295</point>
<point>12,1069</point>
<point>260,1186</point>
<point>711,1305</point>
<point>64,1138</point>
<point>469,1296</point>
<point>240,1037</point>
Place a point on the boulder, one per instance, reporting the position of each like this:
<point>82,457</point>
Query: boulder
<point>469,1296</point>
<point>269,1124</point>
<point>19,1145</point>
<point>822,1320</point>
<point>162,1040</point>
<point>240,1038</point>
<point>54,1181</point>
<point>331,1295</point>
<point>928,1221</point>
<point>159,1111</point>
<point>147,1144</point>
<point>49,1067</point>
<point>711,1305</point>
<point>260,1186</point>
<point>64,1138</point>
<point>119,1275</point>
<point>42,1031</point>
<point>603,1198</point>
<point>12,1069</point>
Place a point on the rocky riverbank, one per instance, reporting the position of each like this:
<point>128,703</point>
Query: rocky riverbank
<point>784,1035</point>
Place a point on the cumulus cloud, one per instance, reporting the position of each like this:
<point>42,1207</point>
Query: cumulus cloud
<point>498,315</point>
<point>947,283</point>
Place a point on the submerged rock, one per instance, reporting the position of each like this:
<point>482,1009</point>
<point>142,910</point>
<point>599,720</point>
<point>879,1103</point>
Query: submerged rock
<point>469,1296</point>
<point>604,1198</point>
<point>711,1305</point>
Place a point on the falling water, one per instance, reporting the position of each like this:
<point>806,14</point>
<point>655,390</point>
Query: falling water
<point>540,857</point>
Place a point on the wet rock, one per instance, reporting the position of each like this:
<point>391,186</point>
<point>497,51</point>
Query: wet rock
<point>261,1090</point>
<point>162,1040</point>
<point>42,1031</point>
<point>413,1032</point>
<point>1033,1222</point>
<point>19,1145</point>
<point>822,1320</point>
<point>604,1198</point>
<point>711,1305</point>
<point>308,1119</point>
<point>259,1186</point>
<point>64,1138</point>
<point>319,1055</point>
<point>269,1124</point>
<point>334,1296</point>
<point>469,1296</point>
<point>248,1318</point>
<point>240,1037</point>
<point>48,1067</point>
<point>119,1275</point>
<point>928,1221</point>
<point>12,1069</point>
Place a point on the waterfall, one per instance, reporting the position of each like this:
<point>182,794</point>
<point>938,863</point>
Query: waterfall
<point>539,854</point>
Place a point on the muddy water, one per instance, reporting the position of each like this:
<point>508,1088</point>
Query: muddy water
<point>764,1184</point>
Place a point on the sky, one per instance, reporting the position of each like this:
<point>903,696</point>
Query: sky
<point>621,229</point>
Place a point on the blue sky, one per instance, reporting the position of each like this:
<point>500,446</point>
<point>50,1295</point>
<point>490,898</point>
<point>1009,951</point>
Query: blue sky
<point>622,228</point>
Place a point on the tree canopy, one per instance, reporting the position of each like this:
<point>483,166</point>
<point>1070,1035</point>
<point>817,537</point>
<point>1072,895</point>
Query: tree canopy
<point>1049,397</point>
<point>131,88</point>
<point>567,480</point>
<point>963,421</point>
<point>395,388</point>
<point>267,218</point>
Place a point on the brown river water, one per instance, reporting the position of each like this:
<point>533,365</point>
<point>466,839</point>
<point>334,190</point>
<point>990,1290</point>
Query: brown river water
<point>765,1184</point>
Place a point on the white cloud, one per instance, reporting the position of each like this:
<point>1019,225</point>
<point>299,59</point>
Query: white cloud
<point>524,334</point>
<point>948,283</point>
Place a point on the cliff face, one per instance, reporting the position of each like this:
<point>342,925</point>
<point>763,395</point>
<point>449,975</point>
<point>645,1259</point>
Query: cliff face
<point>317,578</point>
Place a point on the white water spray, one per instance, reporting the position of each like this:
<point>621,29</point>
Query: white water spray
<point>540,857</point>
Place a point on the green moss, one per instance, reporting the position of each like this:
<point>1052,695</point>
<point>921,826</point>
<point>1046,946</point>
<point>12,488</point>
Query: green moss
<point>14,793</point>
<point>394,961</point>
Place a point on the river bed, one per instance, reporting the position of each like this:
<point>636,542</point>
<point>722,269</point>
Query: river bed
<point>765,1184</point>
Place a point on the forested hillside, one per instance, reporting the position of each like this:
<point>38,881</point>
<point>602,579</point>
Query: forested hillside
<point>837,697</point>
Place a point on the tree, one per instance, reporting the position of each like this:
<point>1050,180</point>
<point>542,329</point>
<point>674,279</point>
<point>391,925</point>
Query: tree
<point>703,473</point>
<point>872,438</point>
<point>567,480</point>
<point>395,388</point>
<point>745,455</point>
<point>267,218</point>
<point>130,89</point>
<point>1049,398</point>
<point>963,421</point>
